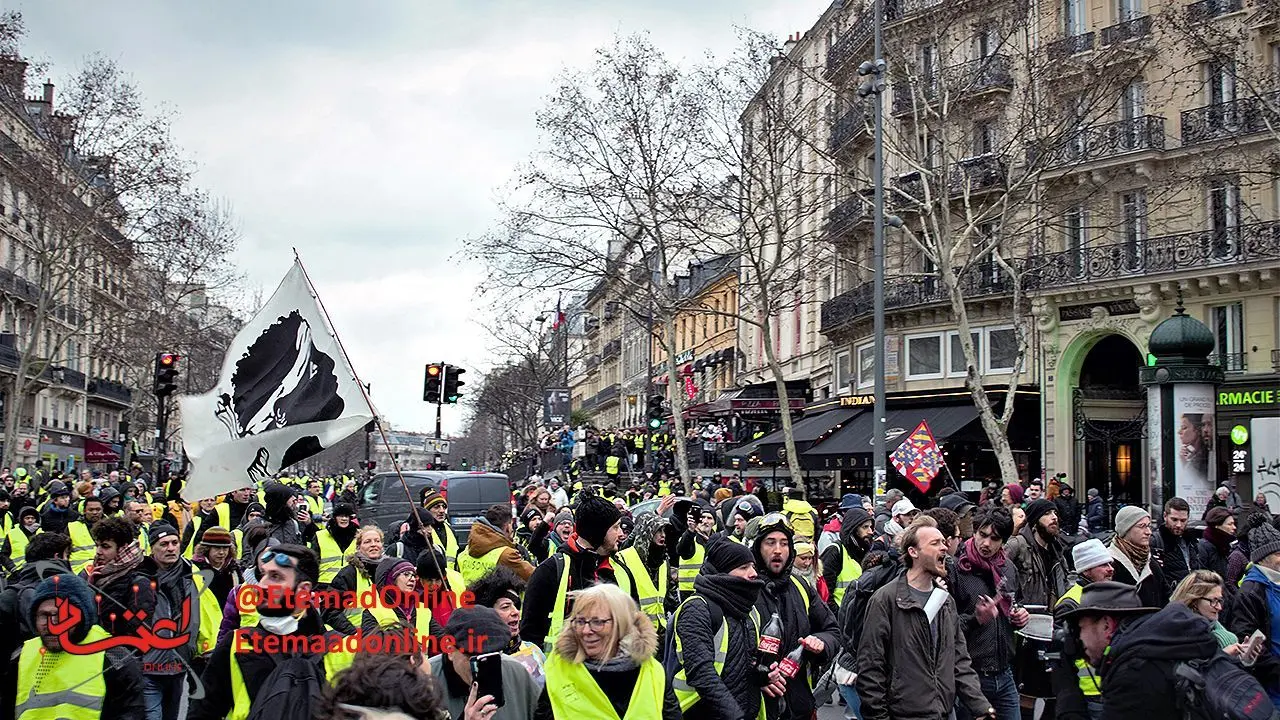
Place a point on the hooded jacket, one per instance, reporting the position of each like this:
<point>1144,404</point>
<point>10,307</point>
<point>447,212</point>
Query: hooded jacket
<point>1251,611</point>
<point>735,692</point>
<point>485,538</point>
<point>833,557</point>
<point>284,526</point>
<point>781,595</point>
<point>176,600</point>
<point>586,568</point>
<point>1138,673</point>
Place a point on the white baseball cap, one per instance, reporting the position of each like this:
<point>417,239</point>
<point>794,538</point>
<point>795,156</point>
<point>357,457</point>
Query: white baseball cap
<point>903,507</point>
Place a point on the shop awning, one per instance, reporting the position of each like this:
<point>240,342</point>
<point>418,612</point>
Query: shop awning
<point>99,452</point>
<point>805,432</point>
<point>855,437</point>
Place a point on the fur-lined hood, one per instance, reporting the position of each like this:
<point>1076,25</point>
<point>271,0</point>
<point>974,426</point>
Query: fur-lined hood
<point>640,641</point>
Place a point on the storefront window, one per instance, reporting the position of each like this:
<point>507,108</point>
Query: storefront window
<point>1002,349</point>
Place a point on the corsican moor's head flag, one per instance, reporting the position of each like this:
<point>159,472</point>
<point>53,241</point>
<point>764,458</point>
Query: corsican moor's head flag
<point>285,393</point>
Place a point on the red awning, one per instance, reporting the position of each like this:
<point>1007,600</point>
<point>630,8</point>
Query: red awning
<point>99,452</point>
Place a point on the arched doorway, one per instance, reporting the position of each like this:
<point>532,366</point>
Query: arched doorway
<point>1109,409</point>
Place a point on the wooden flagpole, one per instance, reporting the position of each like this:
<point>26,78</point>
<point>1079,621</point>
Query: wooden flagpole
<point>395,464</point>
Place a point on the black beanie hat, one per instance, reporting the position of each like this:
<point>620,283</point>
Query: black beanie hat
<point>724,555</point>
<point>1039,509</point>
<point>594,517</point>
<point>430,564</point>
<point>343,509</point>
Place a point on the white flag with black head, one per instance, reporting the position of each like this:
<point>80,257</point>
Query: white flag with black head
<point>286,392</point>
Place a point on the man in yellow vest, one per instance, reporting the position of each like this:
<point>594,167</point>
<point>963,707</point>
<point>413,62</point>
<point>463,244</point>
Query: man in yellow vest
<point>315,498</point>
<point>646,558</point>
<point>842,562</point>
<point>242,661</point>
<point>81,533</point>
<point>587,558</point>
<point>210,513</point>
<point>441,533</point>
<point>51,682</point>
<point>139,514</point>
<point>1076,683</point>
<point>332,541</point>
<point>14,551</point>
<point>698,524</point>
<point>6,517</point>
<point>490,544</point>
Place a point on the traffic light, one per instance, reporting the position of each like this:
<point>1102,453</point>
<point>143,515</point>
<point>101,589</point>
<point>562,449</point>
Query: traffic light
<point>431,389</point>
<point>373,465</point>
<point>166,373</point>
<point>452,383</point>
<point>655,412</point>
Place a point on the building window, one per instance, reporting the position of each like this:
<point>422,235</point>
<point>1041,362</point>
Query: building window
<point>987,42</point>
<point>1075,237</point>
<point>1224,217</point>
<point>1227,323</point>
<point>924,356</point>
<point>1133,215</point>
<point>1002,349</point>
<point>844,371</point>
<point>1220,81</point>
<point>866,365</point>
<point>956,365</point>
<point>1129,10</point>
<point>1073,17</point>
<point>984,138</point>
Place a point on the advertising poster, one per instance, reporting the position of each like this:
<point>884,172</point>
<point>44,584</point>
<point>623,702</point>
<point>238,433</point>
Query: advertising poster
<point>1195,472</point>
<point>1264,439</point>
<point>1155,450</point>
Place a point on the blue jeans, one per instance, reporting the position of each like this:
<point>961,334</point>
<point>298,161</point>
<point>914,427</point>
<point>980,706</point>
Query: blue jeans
<point>163,695</point>
<point>851,701</point>
<point>1001,691</point>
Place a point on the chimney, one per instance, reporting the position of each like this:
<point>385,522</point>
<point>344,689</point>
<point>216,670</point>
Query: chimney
<point>791,43</point>
<point>48,94</point>
<point>13,76</point>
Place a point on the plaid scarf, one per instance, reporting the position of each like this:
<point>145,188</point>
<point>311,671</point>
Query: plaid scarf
<point>127,560</point>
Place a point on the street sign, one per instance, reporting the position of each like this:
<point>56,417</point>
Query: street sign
<point>555,406</point>
<point>439,447</point>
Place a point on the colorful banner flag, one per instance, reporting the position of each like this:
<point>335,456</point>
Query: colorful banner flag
<point>918,458</point>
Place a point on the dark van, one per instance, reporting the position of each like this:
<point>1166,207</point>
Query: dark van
<point>383,501</point>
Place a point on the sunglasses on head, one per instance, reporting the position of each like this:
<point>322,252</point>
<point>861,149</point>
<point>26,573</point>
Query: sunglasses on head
<point>279,558</point>
<point>774,520</point>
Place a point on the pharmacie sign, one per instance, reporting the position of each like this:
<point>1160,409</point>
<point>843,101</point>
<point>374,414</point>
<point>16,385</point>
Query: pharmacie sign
<point>1247,396</point>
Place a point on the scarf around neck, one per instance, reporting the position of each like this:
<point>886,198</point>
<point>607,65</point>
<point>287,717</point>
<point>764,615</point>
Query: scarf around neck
<point>127,560</point>
<point>971,561</point>
<point>1139,555</point>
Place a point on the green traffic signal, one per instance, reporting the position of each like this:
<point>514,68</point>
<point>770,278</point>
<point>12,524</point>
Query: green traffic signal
<point>655,423</point>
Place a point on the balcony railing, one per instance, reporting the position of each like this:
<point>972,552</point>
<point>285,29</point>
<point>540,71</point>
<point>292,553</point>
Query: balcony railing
<point>847,214</point>
<point>1243,116</point>
<point>976,174</point>
<point>1150,256</point>
<point>850,126</point>
<point>902,9</point>
<point>611,350</point>
<point>1069,45</point>
<point>9,357</point>
<point>1127,30</point>
<point>111,390</point>
<point>1208,9</point>
<point>906,292</point>
<point>1230,362</point>
<point>993,72</point>
<point>1106,141</point>
<point>845,51</point>
<point>19,286</point>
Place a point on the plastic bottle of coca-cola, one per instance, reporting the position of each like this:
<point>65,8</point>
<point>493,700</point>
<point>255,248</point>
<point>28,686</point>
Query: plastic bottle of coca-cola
<point>771,640</point>
<point>790,665</point>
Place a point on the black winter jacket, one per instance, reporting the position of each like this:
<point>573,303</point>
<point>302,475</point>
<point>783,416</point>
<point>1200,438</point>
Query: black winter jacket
<point>343,582</point>
<point>1096,515</point>
<point>1250,612</point>
<point>1068,515</point>
<point>1208,557</point>
<point>991,644</point>
<point>585,569</point>
<point>733,693</point>
<point>782,595</point>
<point>1138,674</point>
<point>1175,554</point>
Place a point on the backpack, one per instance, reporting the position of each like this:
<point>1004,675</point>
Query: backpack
<point>670,661</point>
<point>802,524</point>
<point>853,610</point>
<point>292,690</point>
<point>1220,689</point>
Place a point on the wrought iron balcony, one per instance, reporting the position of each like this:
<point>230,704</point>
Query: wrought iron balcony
<point>850,126</point>
<point>1230,362</point>
<point>903,9</point>
<point>111,390</point>
<point>1243,116</point>
<point>993,72</point>
<point>18,286</point>
<point>1069,45</point>
<point>974,175</point>
<point>846,50</point>
<point>1100,142</point>
<point>611,350</point>
<point>1128,30</point>
<point>1208,9</point>
<point>905,292</point>
<point>1258,242</point>
<point>846,215</point>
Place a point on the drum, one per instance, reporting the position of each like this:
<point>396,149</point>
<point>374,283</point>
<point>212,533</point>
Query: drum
<point>1034,656</point>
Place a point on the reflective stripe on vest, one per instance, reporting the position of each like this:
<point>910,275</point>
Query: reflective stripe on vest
<point>611,465</point>
<point>687,570</point>
<point>573,692</point>
<point>651,596</point>
<point>331,560</point>
<point>59,685</point>
<point>82,545</point>
<point>224,520</point>
<point>362,584</point>
<point>684,692</point>
<point>334,662</point>
<point>473,568</point>
<point>315,504</point>
<point>850,571</point>
<point>621,577</point>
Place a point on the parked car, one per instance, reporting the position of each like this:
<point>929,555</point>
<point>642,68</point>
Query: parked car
<point>383,501</point>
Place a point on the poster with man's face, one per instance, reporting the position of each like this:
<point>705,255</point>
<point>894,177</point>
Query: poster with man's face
<point>1195,472</point>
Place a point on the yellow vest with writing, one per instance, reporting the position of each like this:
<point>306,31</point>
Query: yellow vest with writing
<point>60,685</point>
<point>573,692</point>
<point>473,568</point>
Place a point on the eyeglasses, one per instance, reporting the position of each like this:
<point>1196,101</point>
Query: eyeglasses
<point>284,561</point>
<point>1215,603</point>
<point>597,624</point>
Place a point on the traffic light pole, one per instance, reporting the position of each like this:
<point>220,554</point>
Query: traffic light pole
<point>162,453</point>
<point>438,438</point>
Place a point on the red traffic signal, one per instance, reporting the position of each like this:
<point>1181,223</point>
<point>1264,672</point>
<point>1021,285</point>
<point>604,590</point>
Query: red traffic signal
<point>166,376</point>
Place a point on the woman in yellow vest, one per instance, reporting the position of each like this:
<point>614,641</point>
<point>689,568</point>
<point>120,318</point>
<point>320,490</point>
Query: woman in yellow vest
<point>356,579</point>
<point>333,540</point>
<point>17,539</point>
<point>397,603</point>
<point>53,683</point>
<point>603,664</point>
<point>213,557</point>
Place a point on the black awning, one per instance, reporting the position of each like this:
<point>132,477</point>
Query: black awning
<point>855,437</point>
<point>805,432</point>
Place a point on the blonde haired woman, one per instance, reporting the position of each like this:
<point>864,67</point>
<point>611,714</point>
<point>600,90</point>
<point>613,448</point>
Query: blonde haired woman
<point>363,556</point>
<point>603,664</point>
<point>1202,591</point>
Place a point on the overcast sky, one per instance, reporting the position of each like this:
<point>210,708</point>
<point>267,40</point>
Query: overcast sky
<point>372,135</point>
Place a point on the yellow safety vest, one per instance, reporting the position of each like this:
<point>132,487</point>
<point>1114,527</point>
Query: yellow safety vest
<point>651,597</point>
<point>334,662</point>
<point>687,570</point>
<point>144,540</point>
<point>331,559</point>
<point>473,568</point>
<point>450,544</point>
<point>82,545</point>
<point>1090,680</point>
<point>850,571</point>
<point>224,521</point>
<point>684,692</point>
<point>363,584</point>
<point>315,504</point>
<point>210,615</point>
<point>611,464</point>
<point>18,542</point>
<point>237,539</point>
<point>59,685</point>
<point>573,693</point>
<point>562,597</point>
<point>7,523</point>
